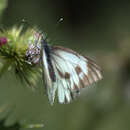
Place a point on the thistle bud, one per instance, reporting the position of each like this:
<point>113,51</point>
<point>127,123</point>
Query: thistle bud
<point>3,40</point>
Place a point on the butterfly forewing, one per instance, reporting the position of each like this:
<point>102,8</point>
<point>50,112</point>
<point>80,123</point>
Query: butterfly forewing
<point>73,72</point>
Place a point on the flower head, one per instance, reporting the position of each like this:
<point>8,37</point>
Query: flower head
<point>14,54</point>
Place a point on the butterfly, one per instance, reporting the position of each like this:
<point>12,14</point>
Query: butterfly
<point>64,70</point>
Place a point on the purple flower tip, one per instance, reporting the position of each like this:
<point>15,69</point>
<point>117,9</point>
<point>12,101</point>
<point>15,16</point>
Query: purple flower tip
<point>3,40</point>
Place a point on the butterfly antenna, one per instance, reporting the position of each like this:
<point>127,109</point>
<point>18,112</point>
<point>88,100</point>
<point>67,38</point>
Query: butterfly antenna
<point>59,22</point>
<point>45,37</point>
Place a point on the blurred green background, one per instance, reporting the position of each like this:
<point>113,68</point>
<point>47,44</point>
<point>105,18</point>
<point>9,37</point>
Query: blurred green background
<point>97,28</point>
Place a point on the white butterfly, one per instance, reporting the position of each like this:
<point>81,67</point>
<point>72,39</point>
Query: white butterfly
<point>66,71</point>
